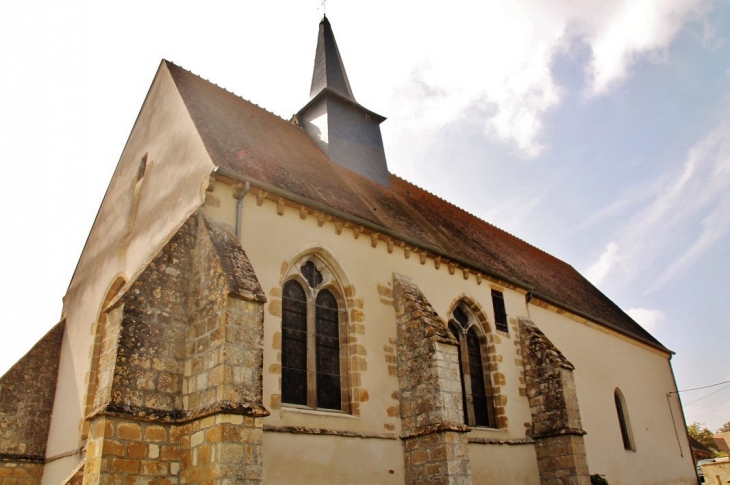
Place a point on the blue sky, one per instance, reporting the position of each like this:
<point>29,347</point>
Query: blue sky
<point>598,131</point>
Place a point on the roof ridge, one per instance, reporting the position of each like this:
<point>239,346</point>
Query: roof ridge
<point>226,90</point>
<point>479,218</point>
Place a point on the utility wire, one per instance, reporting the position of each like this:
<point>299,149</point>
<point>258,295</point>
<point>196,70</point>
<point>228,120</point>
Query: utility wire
<point>703,387</point>
<point>710,394</point>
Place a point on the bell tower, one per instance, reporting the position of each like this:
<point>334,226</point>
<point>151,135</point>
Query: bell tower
<point>346,131</point>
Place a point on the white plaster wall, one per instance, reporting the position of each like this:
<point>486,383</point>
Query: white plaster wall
<point>603,361</point>
<point>503,464</point>
<point>271,241</point>
<point>131,226</point>
<point>331,459</point>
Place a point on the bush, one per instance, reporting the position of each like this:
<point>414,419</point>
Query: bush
<point>597,479</point>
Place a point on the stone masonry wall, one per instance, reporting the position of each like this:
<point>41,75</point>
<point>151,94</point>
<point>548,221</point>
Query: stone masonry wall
<point>27,391</point>
<point>185,401</point>
<point>150,354</point>
<point>434,439</point>
<point>123,451</point>
<point>223,448</point>
<point>223,343</point>
<point>716,473</point>
<point>20,472</point>
<point>556,425</point>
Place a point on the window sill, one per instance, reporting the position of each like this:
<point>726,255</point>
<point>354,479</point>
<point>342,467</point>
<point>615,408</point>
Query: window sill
<point>486,431</point>
<point>483,428</point>
<point>316,412</point>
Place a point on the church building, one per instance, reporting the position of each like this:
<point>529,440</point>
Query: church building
<point>261,301</point>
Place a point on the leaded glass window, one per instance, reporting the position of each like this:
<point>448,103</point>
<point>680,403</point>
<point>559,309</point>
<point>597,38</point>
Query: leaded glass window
<point>294,344</point>
<point>475,381</point>
<point>476,372</point>
<point>457,336</point>
<point>328,351</point>
<point>623,420</point>
<point>312,347</point>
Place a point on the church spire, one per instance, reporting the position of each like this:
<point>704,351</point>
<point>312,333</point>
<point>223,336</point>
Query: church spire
<point>329,71</point>
<point>346,131</point>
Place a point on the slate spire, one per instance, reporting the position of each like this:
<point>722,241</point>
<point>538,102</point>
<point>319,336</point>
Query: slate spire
<point>345,130</point>
<point>329,71</point>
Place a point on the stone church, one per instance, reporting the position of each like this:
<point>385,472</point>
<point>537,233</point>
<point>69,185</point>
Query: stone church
<point>261,300</point>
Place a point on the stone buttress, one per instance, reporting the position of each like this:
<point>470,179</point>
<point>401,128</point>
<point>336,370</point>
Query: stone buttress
<point>179,397</point>
<point>556,425</point>
<point>27,391</point>
<point>431,409</point>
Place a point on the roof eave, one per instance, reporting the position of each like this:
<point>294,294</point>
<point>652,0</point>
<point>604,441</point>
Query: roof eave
<point>330,92</point>
<point>238,177</point>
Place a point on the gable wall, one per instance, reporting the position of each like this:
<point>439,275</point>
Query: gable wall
<point>275,234</point>
<point>132,224</point>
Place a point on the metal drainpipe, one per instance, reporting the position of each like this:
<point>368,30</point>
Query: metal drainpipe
<point>528,299</point>
<point>239,207</point>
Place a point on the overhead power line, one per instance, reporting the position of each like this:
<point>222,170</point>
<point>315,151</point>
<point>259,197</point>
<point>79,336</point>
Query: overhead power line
<point>703,387</point>
<point>710,394</point>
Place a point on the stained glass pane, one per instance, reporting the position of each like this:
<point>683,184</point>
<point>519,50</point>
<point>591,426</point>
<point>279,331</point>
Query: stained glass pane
<point>461,317</point>
<point>294,345</point>
<point>622,421</point>
<point>455,333</point>
<point>311,274</point>
<point>476,371</point>
<point>328,351</point>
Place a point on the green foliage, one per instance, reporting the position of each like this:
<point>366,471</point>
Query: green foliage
<point>597,479</point>
<point>725,428</point>
<point>703,435</point>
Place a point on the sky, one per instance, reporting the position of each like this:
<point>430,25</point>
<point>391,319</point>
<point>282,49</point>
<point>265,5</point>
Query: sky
<point>598,131</point>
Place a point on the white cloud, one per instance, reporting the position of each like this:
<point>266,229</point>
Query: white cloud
<point>604,265</point>
<point>649,319</point>
<point>497,62</point>
<point>686,214</point>
<point>632,29</point>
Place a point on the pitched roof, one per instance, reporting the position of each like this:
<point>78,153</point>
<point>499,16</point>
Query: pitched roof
<point>250,141</point>
<point>697,446</point>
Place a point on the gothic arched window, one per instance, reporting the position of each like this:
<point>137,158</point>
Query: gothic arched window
<point>312,346</point>
<point>623,420</point>
<point>476,386</point>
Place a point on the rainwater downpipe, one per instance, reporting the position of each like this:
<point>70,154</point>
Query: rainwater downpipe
<point>239,207</point>
<point>528,299</point>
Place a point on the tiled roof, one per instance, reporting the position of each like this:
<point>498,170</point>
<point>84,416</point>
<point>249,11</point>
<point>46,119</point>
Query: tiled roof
<point>250,141</point>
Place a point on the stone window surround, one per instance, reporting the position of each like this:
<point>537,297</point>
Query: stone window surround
<point>331,283</point>
<point>479,328</point>
<point>491,360</point>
